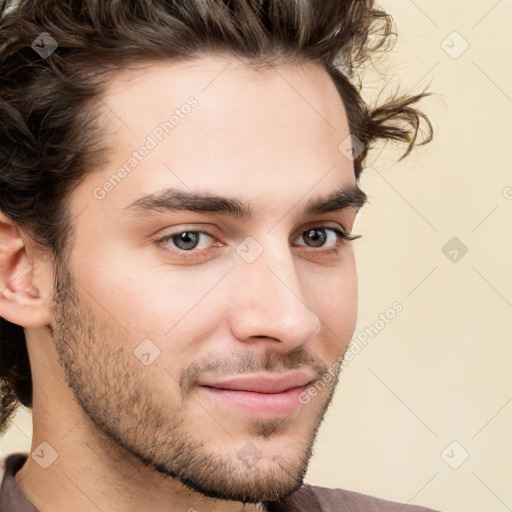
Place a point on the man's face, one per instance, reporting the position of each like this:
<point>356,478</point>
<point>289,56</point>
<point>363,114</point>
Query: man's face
<point>188,335</point>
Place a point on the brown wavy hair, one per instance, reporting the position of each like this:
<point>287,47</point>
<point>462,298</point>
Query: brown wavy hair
<point>48,136</point>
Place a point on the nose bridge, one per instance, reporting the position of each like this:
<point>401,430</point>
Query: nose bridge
<point>269,297</point>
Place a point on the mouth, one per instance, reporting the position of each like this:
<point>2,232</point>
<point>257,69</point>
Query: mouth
<point>265,396</point>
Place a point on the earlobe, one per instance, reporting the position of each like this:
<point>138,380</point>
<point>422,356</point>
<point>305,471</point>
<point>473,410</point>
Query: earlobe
<point>23,279</point>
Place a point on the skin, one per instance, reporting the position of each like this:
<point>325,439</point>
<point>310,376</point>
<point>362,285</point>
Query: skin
<point>127,434</point>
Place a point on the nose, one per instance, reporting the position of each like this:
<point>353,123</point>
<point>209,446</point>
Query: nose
<point>268,301</point>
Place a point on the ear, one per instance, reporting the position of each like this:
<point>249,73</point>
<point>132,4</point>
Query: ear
<point>25,278</point>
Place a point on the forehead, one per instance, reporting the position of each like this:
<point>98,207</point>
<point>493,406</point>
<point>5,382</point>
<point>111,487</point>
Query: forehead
<point>217,123</point>
<point>221,81</point>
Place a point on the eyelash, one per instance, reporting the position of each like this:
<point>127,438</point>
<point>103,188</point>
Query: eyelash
<point>341,240</point>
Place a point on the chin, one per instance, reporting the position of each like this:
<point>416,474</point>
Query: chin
<point>264,485</point>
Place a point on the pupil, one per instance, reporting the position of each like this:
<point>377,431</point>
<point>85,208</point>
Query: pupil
<point>317,236</point>
<point>186,240</point>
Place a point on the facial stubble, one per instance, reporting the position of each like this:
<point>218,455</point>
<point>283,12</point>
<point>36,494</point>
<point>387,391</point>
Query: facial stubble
<point>137,429</point>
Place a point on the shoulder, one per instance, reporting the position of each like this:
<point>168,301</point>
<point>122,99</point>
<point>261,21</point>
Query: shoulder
<point>9,464</point>
<point>11,497</point>
<point>310,497</point>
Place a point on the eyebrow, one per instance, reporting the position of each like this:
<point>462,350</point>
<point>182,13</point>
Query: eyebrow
<point>174,199</point>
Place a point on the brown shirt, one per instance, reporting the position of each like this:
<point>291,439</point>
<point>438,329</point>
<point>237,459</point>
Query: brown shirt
<point>307,499</point>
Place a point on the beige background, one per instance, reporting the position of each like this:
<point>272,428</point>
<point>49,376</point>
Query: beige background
<point>433,385</point>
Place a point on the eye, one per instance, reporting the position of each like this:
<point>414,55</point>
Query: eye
<point>317,237</point>
<point>193,245</point>
<point>187,240</point>
<point>326,236</point>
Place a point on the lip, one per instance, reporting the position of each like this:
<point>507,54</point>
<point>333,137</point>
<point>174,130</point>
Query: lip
<point>261,383</point>
<point>266,396</point>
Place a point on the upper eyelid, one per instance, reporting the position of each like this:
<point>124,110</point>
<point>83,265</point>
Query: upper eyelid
<point>319,224</point>
<point>309,225</point>
<point>214,237</point>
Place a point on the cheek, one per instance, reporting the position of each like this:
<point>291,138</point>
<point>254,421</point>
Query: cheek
<point>139,291</point>
<point>333,290</point>
<point>177,309</point>
<point>333,297</point>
